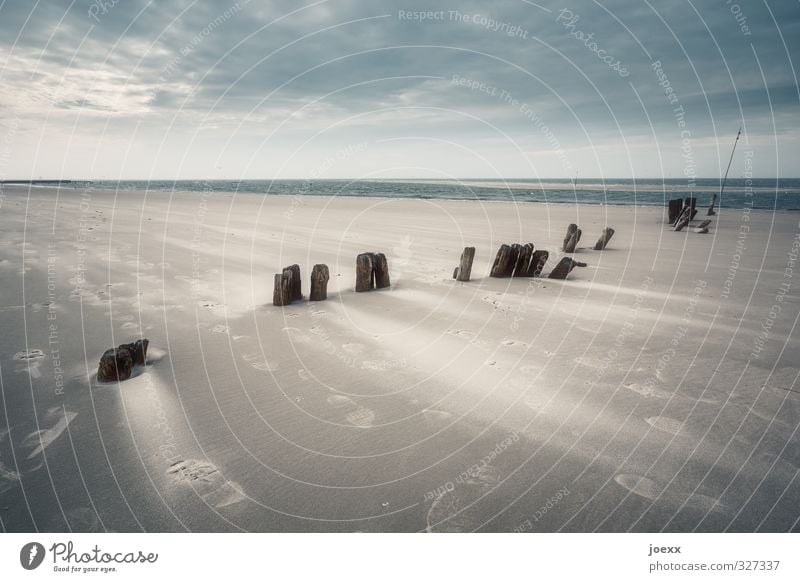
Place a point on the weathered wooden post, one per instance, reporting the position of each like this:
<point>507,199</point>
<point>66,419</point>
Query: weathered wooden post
<point>319,283</point>
<point>295,287</point>
<point>538,260</point>
<point>281,294</point>
<point>572,238</point>
<point>464,269</point>
<point>711,206</point>
<point>675,208</point>
<point>381,268</point>
<point>691,203</point>
<point>502,262</point>
<point>604,238</point>
<point>364,272</point>
<point>683,219</point>
<point>522,267</point>
<point>563,268</point>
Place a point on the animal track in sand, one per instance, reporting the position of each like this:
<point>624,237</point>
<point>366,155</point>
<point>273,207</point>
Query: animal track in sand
<point>666,424</point>
<point>29,355</point>
<point>641,486</point>
<point>207,481</point>
<point>649,391</point>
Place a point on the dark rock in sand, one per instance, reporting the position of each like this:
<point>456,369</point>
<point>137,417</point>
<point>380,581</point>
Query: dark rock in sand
<point>115,364</point>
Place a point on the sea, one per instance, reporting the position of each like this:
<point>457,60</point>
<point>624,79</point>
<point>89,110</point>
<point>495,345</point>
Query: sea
<point>776,194</point>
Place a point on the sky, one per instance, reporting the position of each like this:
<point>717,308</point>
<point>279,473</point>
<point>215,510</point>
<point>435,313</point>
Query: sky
<point>136,89</point>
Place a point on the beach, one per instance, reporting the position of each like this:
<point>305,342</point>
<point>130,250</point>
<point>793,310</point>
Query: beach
<point>653,390</point>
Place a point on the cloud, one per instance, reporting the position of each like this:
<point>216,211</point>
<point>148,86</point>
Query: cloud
<point>313,75</point>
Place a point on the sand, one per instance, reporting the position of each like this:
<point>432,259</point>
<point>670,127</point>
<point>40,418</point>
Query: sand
<point>654,390</point>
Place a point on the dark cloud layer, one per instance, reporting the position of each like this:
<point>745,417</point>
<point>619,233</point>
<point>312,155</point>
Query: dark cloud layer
<point>271,76</point>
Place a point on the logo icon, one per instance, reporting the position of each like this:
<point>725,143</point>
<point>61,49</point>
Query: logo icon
<point>31,555</point>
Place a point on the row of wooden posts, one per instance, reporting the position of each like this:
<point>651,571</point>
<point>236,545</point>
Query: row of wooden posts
<point>681,211</point>
<point>372,269</point>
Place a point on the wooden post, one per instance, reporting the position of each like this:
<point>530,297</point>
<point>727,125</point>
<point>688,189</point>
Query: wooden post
<point>572,238</point>
<point>538,259</point>
<point>381,267</point>
<point>502,262</point>
<point>464,269</point>
<point>563,268</point>
<point>364,272</point>
<point>281,293</point>
<point>319,283</point>
<point>683,219</point>
<point>675,208</point>
<point>711,206</point>
<point>523,265</point>
<point>691,203</point>
<point>604,238</point>
<point>295,287</point>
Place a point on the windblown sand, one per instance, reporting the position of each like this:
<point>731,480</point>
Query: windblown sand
<point>655,389</point>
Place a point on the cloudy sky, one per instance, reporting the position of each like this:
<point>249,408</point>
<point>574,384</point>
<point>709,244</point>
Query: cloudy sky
<point>344,88</point>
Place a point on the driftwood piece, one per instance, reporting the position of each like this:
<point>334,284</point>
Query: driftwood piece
<point>281,294</point>
<point>563,268</point>
<point>365,275</point>
<point>381,268</point>
<point>711,206</point>
<point>674,210</point>
<point>572,238</point>
<point>502,266</point>
<point>683,219</point>
<point>464,269</point>
<point>604,238</point>
<point>538,260</point>
<point>701,230</point>
<point>319,283</point>
<point>703,224</point>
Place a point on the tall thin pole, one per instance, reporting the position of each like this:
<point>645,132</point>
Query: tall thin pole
<point>725,179</point>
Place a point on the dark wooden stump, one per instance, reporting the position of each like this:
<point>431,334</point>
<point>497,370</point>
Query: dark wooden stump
<point>604,238</point>
<point>295,287</point>
<point>674,211</point>
<point>464,269</point>
<point>502,262</point>
<point>365,278</point>
<point>563,268</point>
<point>319,283</point>
<point>513,257</point>
<point>281,294</point>
<point>381,267</point>
<point>711,206</point>
<point>572,238</point>
<point>523,264</point>
<point>538,260</point>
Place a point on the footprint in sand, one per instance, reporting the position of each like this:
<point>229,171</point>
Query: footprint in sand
<point>265,366</point>
<point>41,439</point>
<point>666,424</point>
<point>129,325</point>
<point>705,503</point>
<point>361,417</point>
<point>462,333</point>
<point>436,415</point>
<point>207,481</point>
<point>296,335</point>
<point>338,400</point>
<point>456,510</point>
<point>8,478</point>
<point>649,391</point>
<point>219,328</point>
<point>304,374</point>
<point>641,486</point>
<point>353,348</point>
<point>29,355</point>
<point>514,343</point>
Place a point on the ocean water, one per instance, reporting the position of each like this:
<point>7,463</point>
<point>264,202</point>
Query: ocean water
<point>764,194</point>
